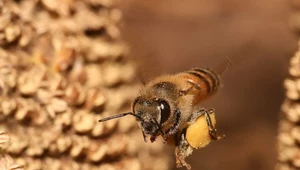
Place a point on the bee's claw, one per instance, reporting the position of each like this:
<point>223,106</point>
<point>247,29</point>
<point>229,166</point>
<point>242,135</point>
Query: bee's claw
<point>214,136</point>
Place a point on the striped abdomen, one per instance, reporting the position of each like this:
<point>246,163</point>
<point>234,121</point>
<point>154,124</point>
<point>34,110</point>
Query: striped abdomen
<point>205,82</point>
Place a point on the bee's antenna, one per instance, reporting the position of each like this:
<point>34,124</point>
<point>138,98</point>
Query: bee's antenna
<point>120,115</point>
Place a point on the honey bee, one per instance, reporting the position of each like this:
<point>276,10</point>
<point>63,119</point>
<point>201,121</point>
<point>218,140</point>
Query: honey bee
<point>168,107</point>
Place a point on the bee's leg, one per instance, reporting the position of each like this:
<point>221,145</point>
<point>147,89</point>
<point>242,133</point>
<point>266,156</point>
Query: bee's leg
<point>212,130</point>
<point>197,114</point>
<point>182,150</point>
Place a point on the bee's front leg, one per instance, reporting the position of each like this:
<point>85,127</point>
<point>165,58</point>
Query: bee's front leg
<point>182,150</point>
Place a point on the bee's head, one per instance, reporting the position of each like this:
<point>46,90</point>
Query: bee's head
<point>153,114</point>
<point>150,115</point>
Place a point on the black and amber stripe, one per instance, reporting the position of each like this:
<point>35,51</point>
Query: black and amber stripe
<point>211,76</point>
<point>204,80</point>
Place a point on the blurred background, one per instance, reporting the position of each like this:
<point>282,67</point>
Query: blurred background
<point>173,35</point>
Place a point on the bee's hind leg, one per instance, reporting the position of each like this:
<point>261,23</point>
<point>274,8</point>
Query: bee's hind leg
<point>212,130</point>
<point>192,119</point>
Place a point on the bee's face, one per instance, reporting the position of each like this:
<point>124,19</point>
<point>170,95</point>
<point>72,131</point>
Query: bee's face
<point>153,112</point>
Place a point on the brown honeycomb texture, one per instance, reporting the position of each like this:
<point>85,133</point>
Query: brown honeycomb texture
<point>6,161</point>
<point>289,127</point>
<point>64,66</point>
<point>289,124</point>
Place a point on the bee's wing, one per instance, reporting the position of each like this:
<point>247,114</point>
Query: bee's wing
<point>228,61</point>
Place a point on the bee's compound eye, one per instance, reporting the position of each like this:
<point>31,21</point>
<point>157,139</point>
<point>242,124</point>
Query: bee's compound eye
<point>165,110</point>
